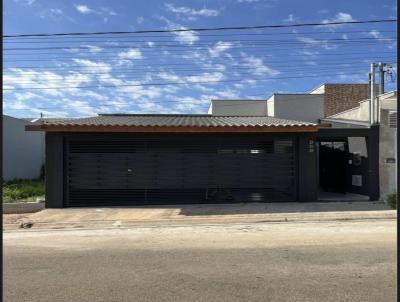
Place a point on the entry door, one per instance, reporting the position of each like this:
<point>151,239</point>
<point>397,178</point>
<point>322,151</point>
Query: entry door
<point>332,164</point>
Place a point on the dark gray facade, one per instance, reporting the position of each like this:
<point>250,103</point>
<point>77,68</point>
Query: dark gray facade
<point>92,169</point>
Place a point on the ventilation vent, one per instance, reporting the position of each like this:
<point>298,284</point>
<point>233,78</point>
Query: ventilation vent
<point>393,119</point>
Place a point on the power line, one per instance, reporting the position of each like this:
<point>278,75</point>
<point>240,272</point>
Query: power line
<point>218,64</point>
<point>202,44</point>
<point>201,29</point>
<point>168,83</point>
<point>68,39</point>
<point>243,71</point>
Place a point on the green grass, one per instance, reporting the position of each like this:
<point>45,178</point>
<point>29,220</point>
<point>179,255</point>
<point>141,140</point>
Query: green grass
<point>23,190</point>
<point>392,200</point>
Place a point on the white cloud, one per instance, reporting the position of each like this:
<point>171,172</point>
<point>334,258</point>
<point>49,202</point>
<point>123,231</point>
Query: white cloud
<point>340,17</point>
<point>108,11</point>
<point>132,53</point>
<point>323,43</point>
<point>308,53</point>
<point>290,18</point>
<point>93,66</point>
<point>93,48</point>
<point>103,11</point>
<point>83,9</point>
<point>25,2</point>
<point>258,67</point>
<point>219,47</point>
<point>190,13</point>
<point>80,107</point>
<point>186,37</point>
<point>375,33</point>
<point>139,20</point>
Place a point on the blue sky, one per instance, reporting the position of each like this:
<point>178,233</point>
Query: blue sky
<point>249,64</point>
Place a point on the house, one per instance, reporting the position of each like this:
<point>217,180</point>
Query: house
<point>23,152</point>
<point>110,160</point>
<point>230,155</point>
<point>323,101</point>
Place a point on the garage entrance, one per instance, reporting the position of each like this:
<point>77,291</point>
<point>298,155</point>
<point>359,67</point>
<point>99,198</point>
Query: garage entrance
<point>117,169</point>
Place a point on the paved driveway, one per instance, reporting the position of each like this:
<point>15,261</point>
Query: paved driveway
<point>325,261</point>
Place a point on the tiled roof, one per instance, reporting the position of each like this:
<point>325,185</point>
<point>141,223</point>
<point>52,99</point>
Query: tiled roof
<point>174,120</point>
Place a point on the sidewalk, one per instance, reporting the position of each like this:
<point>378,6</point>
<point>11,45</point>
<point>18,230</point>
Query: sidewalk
<point>117,217</point>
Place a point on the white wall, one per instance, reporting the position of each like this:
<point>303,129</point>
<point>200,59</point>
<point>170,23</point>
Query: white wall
<point>299,107</point>
<point>271,106</point>
<point>238,108</point>
<point>23,151</point>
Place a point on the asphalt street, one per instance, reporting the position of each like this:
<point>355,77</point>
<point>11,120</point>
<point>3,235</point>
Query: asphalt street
<point>325,261</point>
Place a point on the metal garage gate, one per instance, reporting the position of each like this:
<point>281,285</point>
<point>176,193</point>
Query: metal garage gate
<point>171,169</point>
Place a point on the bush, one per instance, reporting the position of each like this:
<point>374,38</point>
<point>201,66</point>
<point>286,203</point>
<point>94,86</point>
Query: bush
<point>392,200</point>
<point>23,190</point>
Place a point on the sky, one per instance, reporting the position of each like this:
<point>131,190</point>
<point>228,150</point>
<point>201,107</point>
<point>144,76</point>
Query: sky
<point>181,72</point>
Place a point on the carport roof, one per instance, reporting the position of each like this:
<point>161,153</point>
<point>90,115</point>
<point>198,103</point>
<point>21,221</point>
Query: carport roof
<point>172,123</point>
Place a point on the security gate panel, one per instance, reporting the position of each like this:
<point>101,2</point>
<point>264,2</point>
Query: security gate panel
<point>133,170</point>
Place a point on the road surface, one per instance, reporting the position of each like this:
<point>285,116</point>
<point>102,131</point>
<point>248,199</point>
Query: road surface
<point>325,261</point>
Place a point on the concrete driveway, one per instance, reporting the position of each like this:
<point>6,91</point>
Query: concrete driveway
<point>204,213</point>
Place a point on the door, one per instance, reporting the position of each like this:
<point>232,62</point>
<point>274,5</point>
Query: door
<point>332,164</point>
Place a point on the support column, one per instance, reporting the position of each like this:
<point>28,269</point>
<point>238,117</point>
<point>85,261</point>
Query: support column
<point>373,162</point>
<point>307,168</point>
<point>54,170</point>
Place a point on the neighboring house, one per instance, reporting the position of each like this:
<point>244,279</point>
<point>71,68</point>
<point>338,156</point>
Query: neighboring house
<point>359,117</point>
<point>238,107</point>
<point>323,101</point>
<point>23,152</point>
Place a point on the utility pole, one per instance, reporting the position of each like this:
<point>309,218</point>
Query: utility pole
<point>381,72</point>
<point>372,95</point>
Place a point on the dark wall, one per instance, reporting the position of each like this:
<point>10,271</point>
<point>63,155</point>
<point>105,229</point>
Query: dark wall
<point>306,183</point>
<point>54,170</point>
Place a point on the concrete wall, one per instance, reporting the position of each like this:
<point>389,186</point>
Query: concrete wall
<point>300,107</point>
<point>23,152</point>
<point>387,152</point>
<point>238,107</point>
<point>360,113</point>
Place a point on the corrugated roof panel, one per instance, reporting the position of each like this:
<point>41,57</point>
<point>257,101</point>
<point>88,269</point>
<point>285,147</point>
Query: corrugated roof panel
<point>175,120</point>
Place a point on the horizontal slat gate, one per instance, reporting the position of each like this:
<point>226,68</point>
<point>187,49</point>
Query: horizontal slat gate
<point>132,171</point>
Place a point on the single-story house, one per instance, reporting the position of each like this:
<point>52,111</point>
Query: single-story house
<point>139,159</point>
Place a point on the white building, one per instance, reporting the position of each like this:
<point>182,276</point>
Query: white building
<point>23,151</point>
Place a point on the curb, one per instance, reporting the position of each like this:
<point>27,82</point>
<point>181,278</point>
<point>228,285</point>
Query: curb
<point>274,218</point>
<point>22,207</point>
